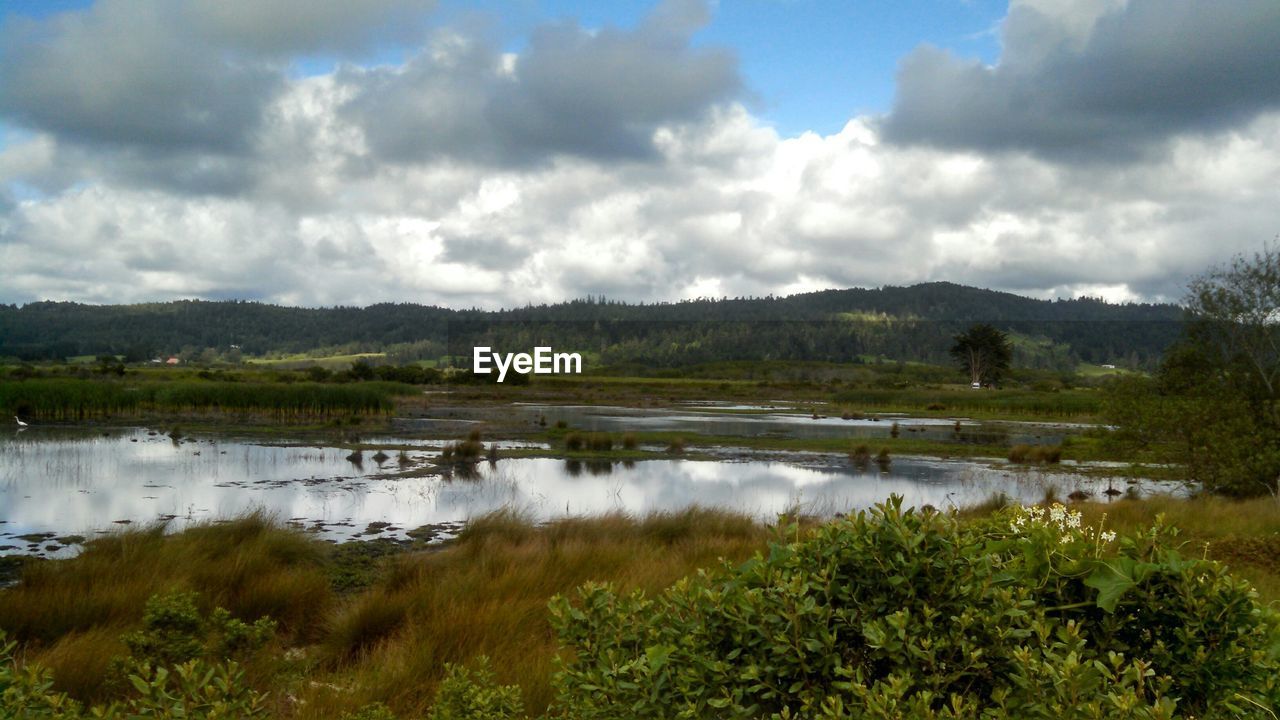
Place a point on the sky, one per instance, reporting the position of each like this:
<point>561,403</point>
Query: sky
<point>499,153</point>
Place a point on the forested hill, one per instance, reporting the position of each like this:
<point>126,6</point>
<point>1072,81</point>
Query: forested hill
<point>901,322</point>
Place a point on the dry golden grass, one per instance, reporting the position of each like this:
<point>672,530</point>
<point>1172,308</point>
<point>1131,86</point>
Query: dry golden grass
<point>485,594</point>
<point>71,614</point>
<point>488,595</point>
<point>80,661</point>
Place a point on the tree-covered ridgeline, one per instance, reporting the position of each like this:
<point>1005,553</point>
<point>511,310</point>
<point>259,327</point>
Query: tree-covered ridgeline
<point>907,323</point>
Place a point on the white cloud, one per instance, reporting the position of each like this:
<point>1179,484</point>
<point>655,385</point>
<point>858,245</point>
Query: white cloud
<point>314,212</point>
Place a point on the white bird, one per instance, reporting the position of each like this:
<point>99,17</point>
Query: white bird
<point>20,423</point>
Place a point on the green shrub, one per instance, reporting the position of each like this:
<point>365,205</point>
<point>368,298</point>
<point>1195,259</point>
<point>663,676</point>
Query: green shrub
<point>373,711</point>
<point>474,694</point>
<point>27,692</point>
<point>174,632</point>
<point>901,614</point>
<point>194,690</point>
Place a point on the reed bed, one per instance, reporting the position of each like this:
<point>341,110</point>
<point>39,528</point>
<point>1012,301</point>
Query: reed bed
<point>77,399</point>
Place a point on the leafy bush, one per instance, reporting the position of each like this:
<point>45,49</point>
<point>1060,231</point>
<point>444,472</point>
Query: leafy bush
<point>27,692</point>
<point>194,690</point>
<point>902,614</point>
<point>173,632</point>
<point>474,694</point>
<point>373,711</point>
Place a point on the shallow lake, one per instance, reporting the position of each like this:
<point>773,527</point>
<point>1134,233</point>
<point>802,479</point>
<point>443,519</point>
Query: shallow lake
<point>755,421</point>
<point>69,481</point>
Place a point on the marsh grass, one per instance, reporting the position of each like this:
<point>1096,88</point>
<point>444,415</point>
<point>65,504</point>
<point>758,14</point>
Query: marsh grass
<point>596,442</point>
<point>389,636</point>
<point>1036,454</point>
<point>76,399</point>
<point>487,594</point>
<point>1008,403</point>
<point>71,614</point>
<point>860,456</point>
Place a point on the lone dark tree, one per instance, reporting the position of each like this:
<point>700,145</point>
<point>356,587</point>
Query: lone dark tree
<point>984,352</point>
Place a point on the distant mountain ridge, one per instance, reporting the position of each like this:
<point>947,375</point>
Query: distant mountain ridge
<point>47,330</point>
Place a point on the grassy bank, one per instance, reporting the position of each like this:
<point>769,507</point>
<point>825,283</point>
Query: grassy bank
<point>389,639</point>
<point>69,399</point>
<point>1003,404</point>
<point>386,635</point>
<point>1018,403</point>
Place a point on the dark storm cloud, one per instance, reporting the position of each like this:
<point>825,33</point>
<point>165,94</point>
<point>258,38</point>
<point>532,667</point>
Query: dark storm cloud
<point>308,26</point>
<point>1147,71</point>
<point>165,76</point>
<point>598,94</point>
<point>118,74</point>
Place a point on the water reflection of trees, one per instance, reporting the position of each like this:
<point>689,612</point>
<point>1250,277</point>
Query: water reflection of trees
<point>595,468</point>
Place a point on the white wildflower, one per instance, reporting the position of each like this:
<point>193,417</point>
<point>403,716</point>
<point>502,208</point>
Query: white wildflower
<point>1108,536</point>
<point>1057,514</point>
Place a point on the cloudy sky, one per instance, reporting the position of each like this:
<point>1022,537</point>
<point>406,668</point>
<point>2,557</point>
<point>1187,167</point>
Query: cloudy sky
<point>496,153</point>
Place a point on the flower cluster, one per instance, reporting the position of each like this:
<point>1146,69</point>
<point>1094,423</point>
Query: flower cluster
<point>1057,517</point>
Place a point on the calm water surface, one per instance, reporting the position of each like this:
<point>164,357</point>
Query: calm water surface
<point>711,419</point>
<point>67,481</point>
